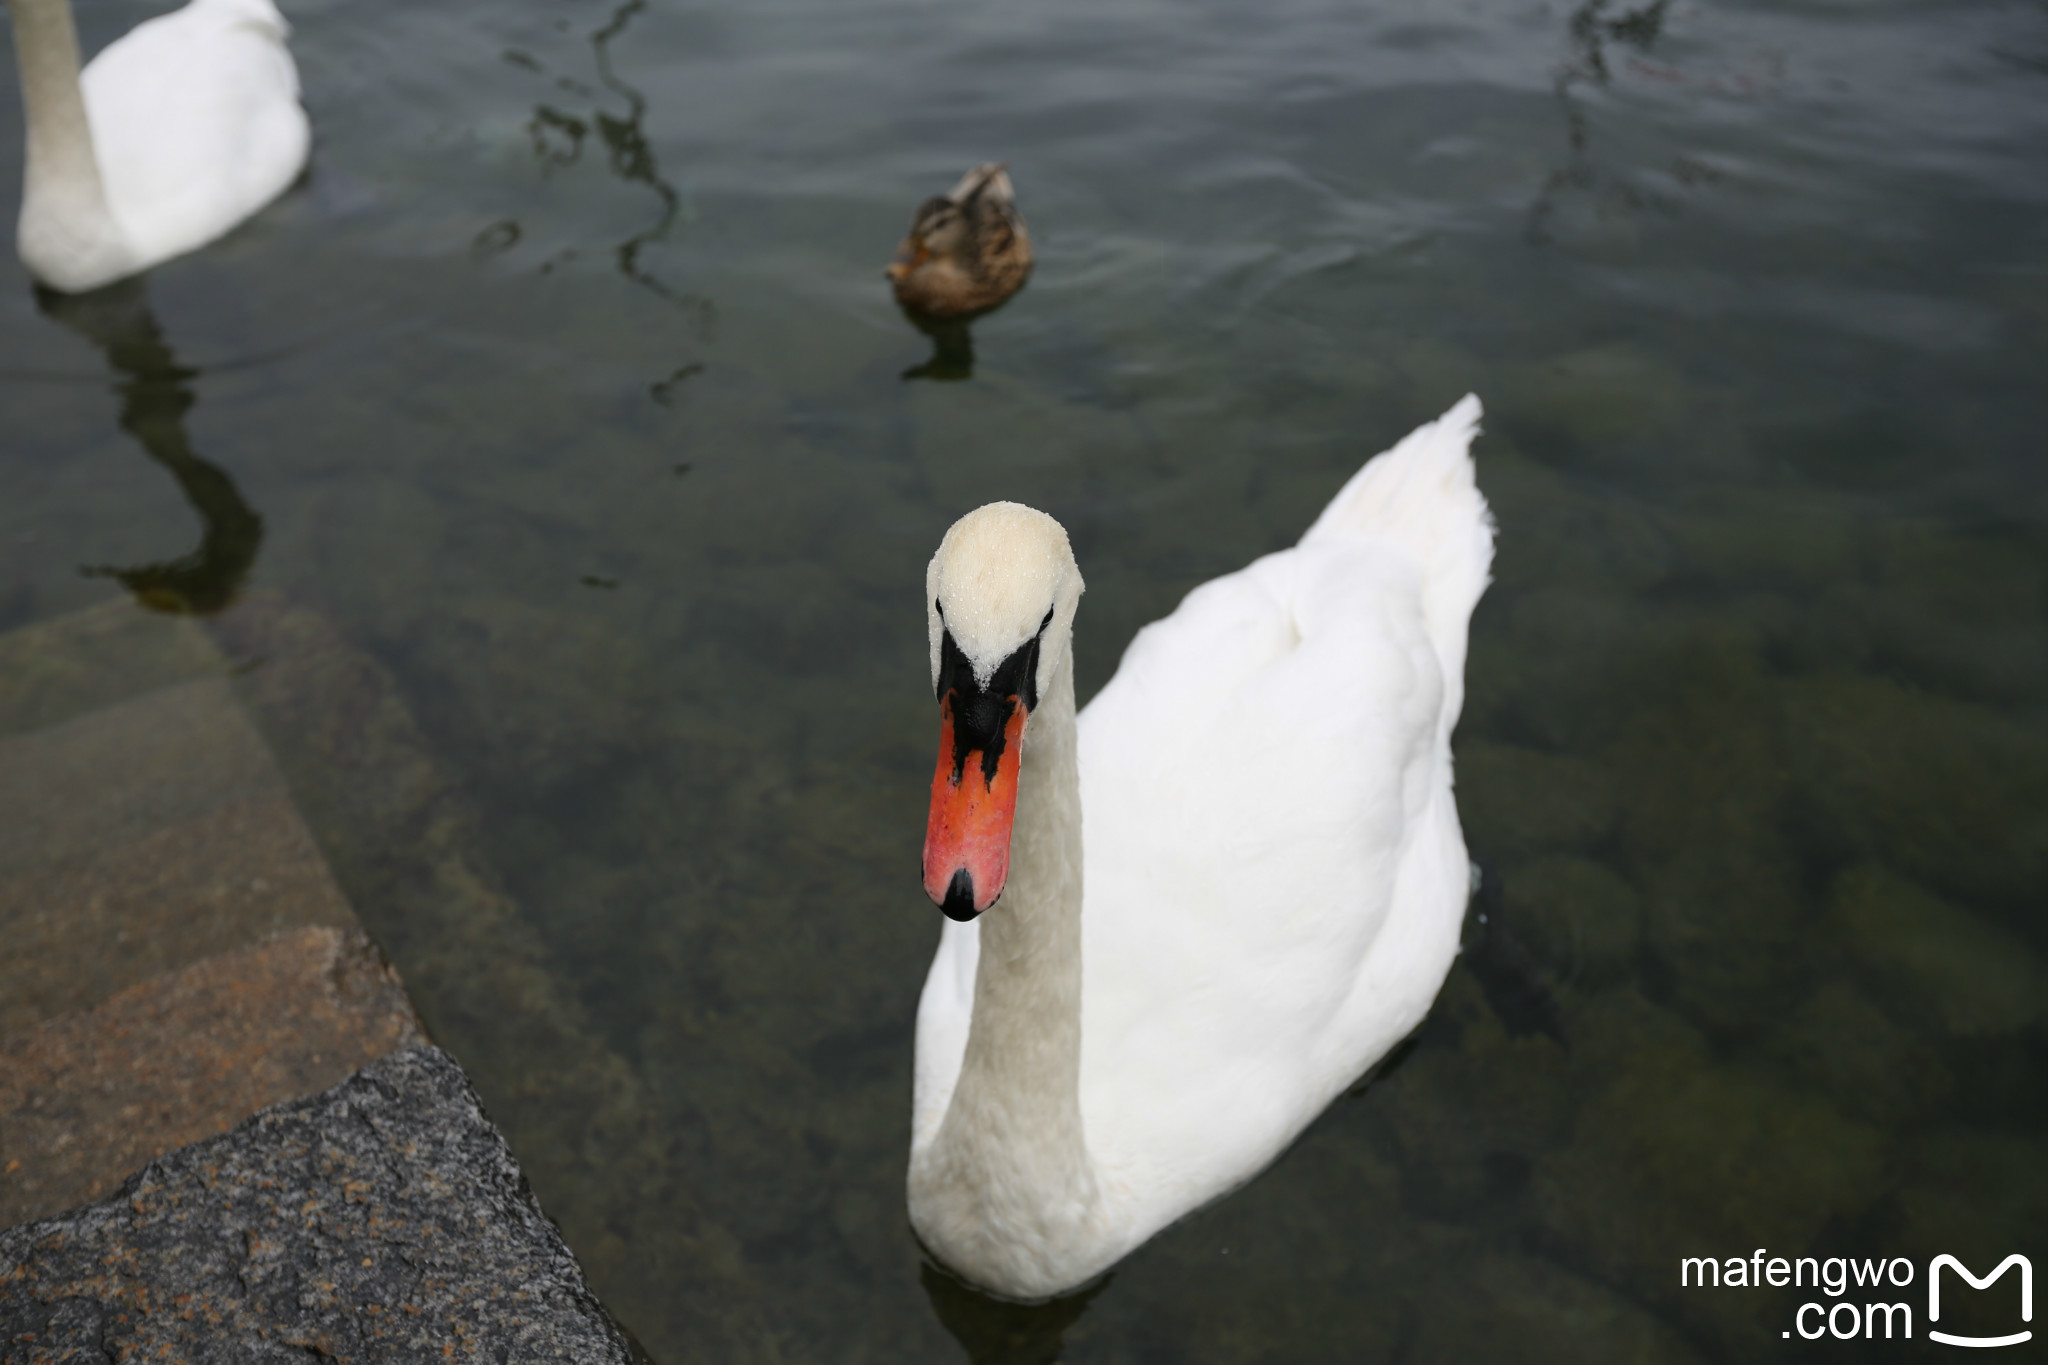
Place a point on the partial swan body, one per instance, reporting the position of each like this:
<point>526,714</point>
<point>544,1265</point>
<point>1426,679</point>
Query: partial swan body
<point>1227,888</point>
<point>178,131</point>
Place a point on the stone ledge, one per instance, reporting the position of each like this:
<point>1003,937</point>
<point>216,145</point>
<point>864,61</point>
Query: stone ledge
<point>384,1219</point>
<point>87,1098</point>
<point>80,929</point>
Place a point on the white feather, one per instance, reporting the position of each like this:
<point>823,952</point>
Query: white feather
<point>193,124</point>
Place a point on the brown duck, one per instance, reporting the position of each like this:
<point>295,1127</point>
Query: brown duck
<point>967,250</point>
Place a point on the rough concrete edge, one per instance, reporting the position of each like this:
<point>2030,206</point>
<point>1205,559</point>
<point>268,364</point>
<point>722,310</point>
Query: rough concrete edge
<point>17,1242</point>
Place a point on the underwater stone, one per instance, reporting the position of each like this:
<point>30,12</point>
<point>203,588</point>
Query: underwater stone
<point>1530,494</point>
<point>394,817</point>
<point>1516,803</point>
<point>384,1220</point>
<point>1769,539</point>
<point>543,689</point>
<point>1974,1188</point>
<point>142,837</point>
<point>1547,669</point>
<point>1960,612</point>
<point>98,780</point>
<point>87,1098</point>
<point>1576,914</point>
<point>1678,1156</point>
<point>1535,1312</point>
<point>1954,796</point>
<point>1969,975</point>
<point>1597,394</point>
<point>80,662</point>
<point>1843,1045</point>
<point>1452,1167</point>
<point>1704,832</point>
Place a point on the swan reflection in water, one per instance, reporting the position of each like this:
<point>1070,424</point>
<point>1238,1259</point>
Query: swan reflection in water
<point>155,394</point>
<point>998,1332</point>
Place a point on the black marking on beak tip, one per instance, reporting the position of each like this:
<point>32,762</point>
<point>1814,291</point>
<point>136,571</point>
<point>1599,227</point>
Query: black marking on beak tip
<point>959,902</point>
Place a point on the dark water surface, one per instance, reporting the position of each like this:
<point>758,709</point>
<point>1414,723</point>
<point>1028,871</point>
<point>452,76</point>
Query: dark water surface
<point>566,396</point>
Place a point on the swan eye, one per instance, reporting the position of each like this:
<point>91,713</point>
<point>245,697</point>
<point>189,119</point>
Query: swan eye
<point>955,673</point>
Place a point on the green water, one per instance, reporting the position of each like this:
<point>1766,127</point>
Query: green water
<point>567,394</point>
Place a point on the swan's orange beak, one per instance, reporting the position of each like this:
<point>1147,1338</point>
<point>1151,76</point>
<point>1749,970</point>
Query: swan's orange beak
<point>974,804</point>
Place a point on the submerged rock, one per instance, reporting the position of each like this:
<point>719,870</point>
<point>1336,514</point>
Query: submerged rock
<point>397,821</point>
<point>1975,1190</point>
<point>1598,394</point>
<point>1843,1045</point>
<point>384,1220</point>
<point>1954,796</point>
<point>1675,1155</point>
<point>1518,802</point>
<point>1577,915</point>
<point>88,1098</point>
<point>1520,1308</point>
<point>1954,968</point>
<point>1959,611</point>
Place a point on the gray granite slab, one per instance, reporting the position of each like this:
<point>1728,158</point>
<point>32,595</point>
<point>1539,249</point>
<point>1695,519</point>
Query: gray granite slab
<point>384,1219</point>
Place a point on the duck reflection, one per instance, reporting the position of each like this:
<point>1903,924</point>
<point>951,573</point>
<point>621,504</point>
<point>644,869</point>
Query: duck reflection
<point>155,395</point>
<point>966,253</point>
<point>998,1332</point>
<point>1595,26</point>
<point>952,355</point>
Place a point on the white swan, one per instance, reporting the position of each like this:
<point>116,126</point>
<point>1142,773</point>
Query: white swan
<point>1259,805</point>
<point>178,131</point>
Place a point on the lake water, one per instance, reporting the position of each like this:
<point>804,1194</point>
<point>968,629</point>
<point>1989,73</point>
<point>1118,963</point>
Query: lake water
<point>562,419</point>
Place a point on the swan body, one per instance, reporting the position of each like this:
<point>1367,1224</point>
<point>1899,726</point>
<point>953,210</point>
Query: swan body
<point>177,132</point>
<point>967,250</point>
<point>1232,883</point>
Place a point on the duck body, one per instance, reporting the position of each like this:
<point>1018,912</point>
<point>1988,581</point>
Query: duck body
<point>1236,880</point>
<point>967,250</point>
<point>177,132</point>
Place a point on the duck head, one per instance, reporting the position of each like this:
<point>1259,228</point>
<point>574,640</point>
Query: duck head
<point>937,230</point>
<point>1000,600</point>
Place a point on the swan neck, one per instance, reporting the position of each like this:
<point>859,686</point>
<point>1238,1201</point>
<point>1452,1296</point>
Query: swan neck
<point>1027,995</point>
<point>1007,1194</point>
<point>68,235</point>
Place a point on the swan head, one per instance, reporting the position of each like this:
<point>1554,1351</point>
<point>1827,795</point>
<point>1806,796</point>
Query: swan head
<point>1000,598</point>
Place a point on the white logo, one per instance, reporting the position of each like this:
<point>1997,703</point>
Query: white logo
<point>2026,1298</point>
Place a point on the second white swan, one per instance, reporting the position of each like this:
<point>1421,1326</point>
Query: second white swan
<point>178,131</point>
<point>1227,888</point>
